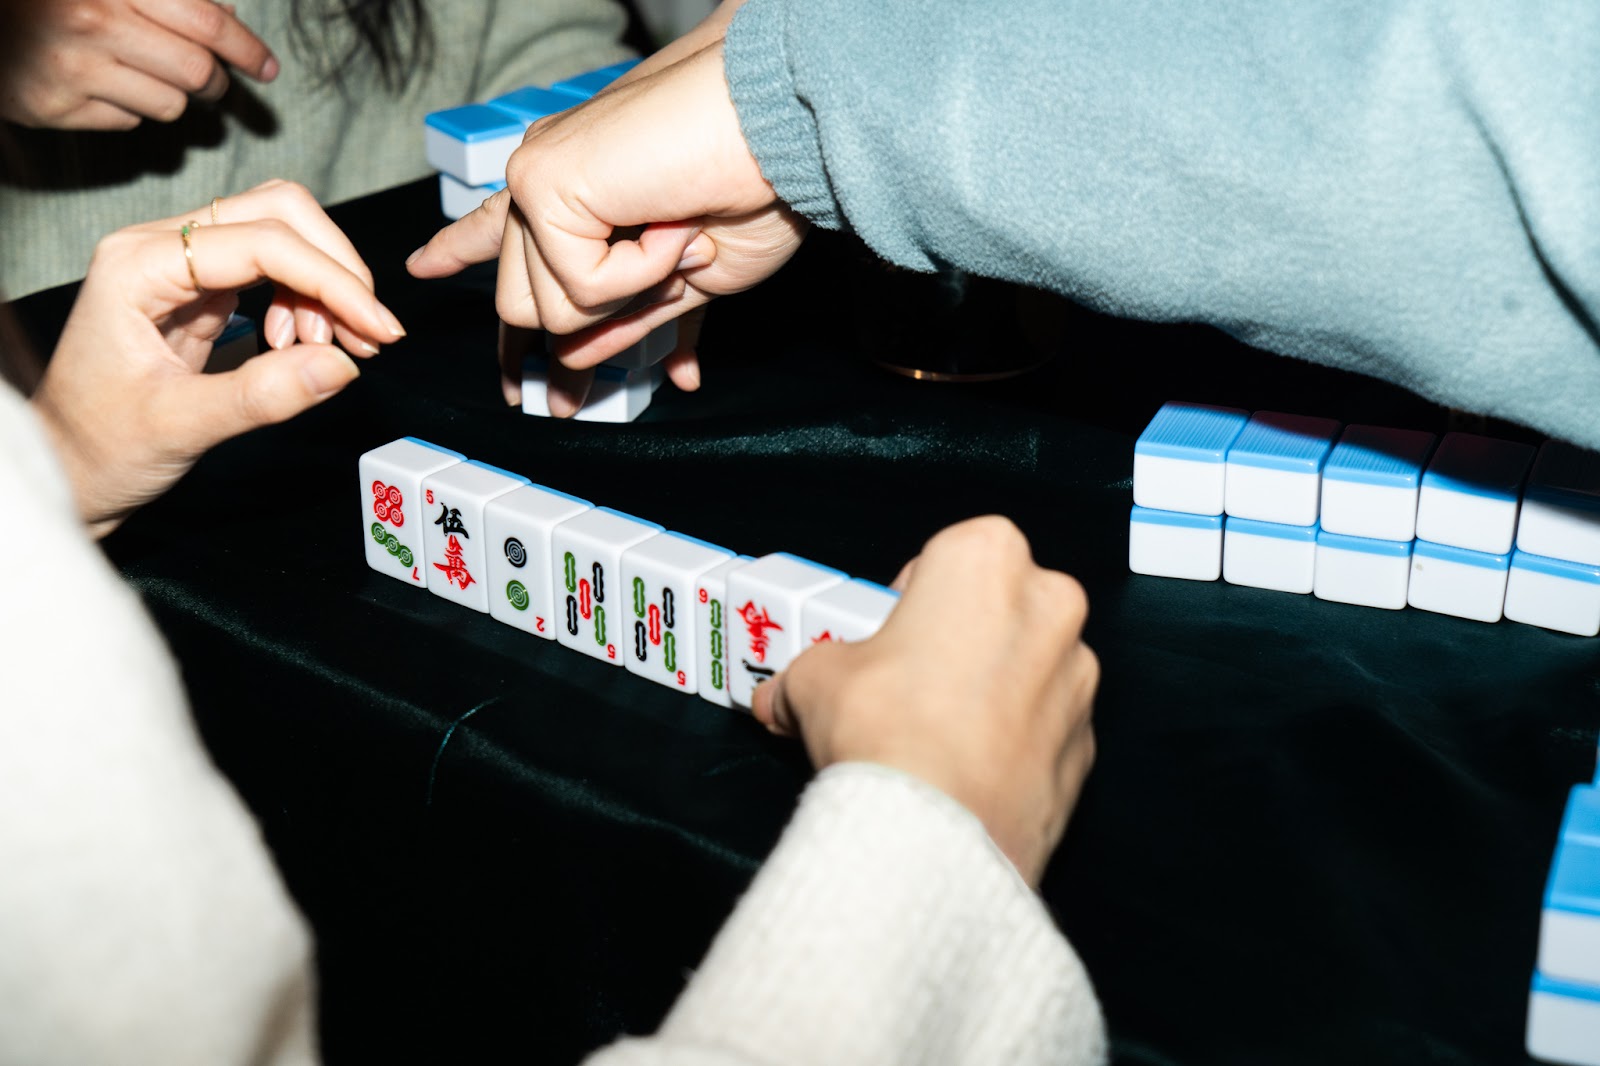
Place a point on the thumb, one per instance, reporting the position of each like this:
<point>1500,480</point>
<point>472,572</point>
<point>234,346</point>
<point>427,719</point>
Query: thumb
<point>203,410</point>
<point>805,688</point>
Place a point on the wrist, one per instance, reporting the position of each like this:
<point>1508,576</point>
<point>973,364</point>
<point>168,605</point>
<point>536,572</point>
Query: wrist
<point>77,461</point>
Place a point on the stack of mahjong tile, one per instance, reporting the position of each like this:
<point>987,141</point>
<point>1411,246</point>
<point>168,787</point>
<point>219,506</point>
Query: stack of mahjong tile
<point>686,614</point>
<point>471,146</point>
<point>1372,516</point>
<point>1564,1003</point>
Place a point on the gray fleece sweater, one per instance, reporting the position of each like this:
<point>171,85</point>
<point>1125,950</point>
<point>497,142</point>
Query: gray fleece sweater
<point>1405,188</point>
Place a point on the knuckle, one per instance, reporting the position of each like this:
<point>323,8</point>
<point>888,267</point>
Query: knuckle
<point>85,17</point>
<point>583,292</point>
<point>515,311</point>
<point>561,320</point>
<point>275,229</point>
<point>207,22</point>
<point>195,70</point>
<point>119,245</point>
<point>169,108</point>
<point>992,536</point>
<point>1063,596</point>
<point>43,106</point>
<point>294,192</point>
<point>1088,670</point>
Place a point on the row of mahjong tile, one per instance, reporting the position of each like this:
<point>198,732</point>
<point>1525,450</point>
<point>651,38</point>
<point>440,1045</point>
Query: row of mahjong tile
<point>1371,482</point>
<point>686,614</point>
<point>1564,1002</point>
<point>1550,593</point>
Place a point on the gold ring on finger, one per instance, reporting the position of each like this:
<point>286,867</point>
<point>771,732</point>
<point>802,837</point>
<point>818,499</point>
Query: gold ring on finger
<point>188,253</point>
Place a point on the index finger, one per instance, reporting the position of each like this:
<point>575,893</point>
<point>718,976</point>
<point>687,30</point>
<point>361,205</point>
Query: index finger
<point>473,238</point>
<point>234,256</point>
<point>217,28</point>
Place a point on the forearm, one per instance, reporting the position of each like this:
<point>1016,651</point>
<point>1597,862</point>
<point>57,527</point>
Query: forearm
<point>1406,191</point>
<point>885,928</point>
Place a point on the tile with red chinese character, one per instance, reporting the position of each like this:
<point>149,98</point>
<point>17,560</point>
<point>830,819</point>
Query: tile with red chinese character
<point>392,507</point>
<point>660,575</point>
<point>849,612</point>
<point>765,631</point>
<point>592,600</point>
<point>454,538</point>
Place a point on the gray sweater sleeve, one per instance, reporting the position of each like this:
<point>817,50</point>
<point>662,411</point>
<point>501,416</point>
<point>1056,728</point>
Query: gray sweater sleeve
<point>1404,188</point>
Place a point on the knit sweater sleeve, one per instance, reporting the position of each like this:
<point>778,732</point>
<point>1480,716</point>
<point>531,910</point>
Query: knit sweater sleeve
<point>885,928</point>
<point>1405,188</point>
<point>141,920</point>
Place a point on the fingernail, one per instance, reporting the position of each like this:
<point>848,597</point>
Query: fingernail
<point>691,377</point>
<point>512,391</point>
<point>284,335</point>
<point>693,259</point>
<point>395,328</point>
<point>412,258</point>
<point>269,69</point>
<point>321,328</point>
<point>561,405</point>
<point>367,346</point>
<point>328,373</point>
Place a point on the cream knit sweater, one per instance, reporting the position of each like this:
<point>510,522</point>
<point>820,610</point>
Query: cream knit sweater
<point>142,921</point>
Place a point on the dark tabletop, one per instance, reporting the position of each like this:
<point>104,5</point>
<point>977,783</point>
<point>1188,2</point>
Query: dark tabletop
<point>1316,833</point>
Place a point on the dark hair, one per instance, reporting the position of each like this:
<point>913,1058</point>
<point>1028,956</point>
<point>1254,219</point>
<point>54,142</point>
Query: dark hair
<point>396,34</point>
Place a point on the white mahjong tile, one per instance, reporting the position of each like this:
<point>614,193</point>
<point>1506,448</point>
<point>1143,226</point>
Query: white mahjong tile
<point>392,506</point>
<point>847,612</point>
<point>661,575</point>
<point>766,599</point>
<point>454,537</point>
<point>586,565</point>
<point>711,640</point>
<point>517,530</point>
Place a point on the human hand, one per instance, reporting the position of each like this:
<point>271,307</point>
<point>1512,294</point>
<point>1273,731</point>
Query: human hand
<point>979,683</point>
<point>108,64</point>
<point>708,31</point>
<point>711,224</point>
<point>124,397</point>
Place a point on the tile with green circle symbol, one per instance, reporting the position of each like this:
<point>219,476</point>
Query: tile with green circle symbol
<point>592,612</point>
<point>391,505</point>
<point>660,575</point>
<point>517,531</point>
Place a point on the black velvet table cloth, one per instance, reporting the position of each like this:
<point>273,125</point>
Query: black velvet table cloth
<point>1315,833</point>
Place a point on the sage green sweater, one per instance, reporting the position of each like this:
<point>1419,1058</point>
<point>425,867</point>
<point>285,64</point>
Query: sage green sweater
<point>1405,188</point>
<point>341,144</point>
